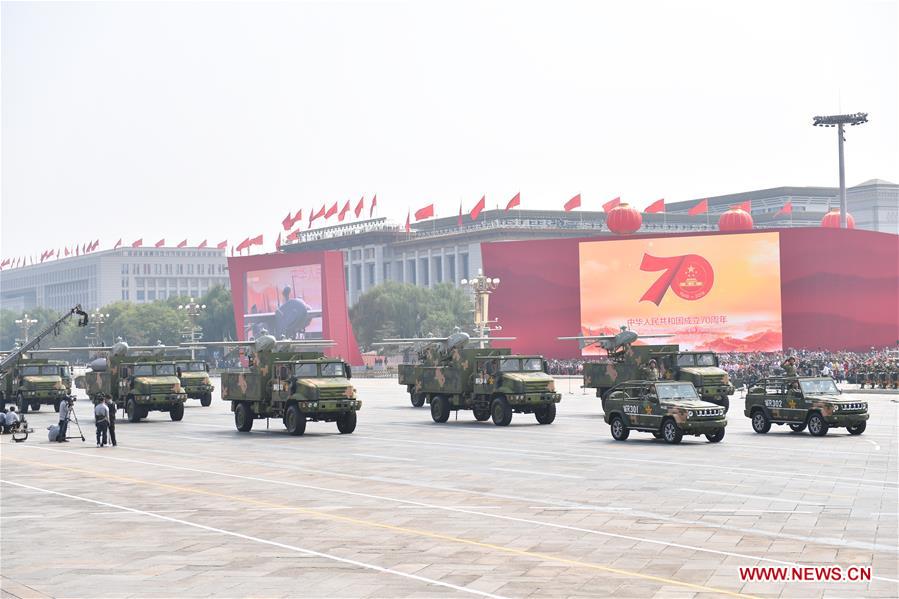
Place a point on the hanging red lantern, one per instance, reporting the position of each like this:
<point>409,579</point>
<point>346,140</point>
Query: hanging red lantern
<point>735,219</point>
<point>831,220</point>
<point>624,219</point>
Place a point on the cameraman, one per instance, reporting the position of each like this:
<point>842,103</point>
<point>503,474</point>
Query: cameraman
<point>65,406</point>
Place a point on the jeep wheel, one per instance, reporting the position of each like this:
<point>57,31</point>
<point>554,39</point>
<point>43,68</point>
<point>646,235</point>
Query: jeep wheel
<point>418,399</point>
<point>481,413</point>
<point>501,411</point>
<point>23,405</point>
<point>797,427</point>
<point>716,436</point>
<point>760,422</point>
<point>857,429</point>
<point>295,421</point>
<point>671,432</point>
<point>546,414</point>
<point>440,408</point>
<point>132,410</point>
<point>620,432</point>
<point>206,400</point>
<point>346,423</point>
<point>817,426</point>
<point>243,417</point>
<point>35,406</point>
<point>177,412</point>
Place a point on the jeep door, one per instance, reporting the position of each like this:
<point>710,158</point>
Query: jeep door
<point>486,371</point>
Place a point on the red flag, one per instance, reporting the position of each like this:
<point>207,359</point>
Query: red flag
<point>50,253</point>
<point>223,245</point>
<point>316,215</point>
<point>160,243</point>
<point>744,206</point>
<point>459,221</point>
<point>655,207</point>
<point>294,235</point>
<point>343,211</point>
<point>296,217</point>
<point>287,222</point>
<point>255,241</point>
<point>787,208</point>
<point>331,211</point>
<point>77,250</point>
<point>700,208</point>
<point>573,203</point>
<point>84,248</point>
<point>243,245</point>
<point>516,201</point>
<point>118,243</point>
<point>278,242</point>
<point>426,212</point>
<point>138,243</point>
<point>202,244</point>
<point>96,245</point>
<point>476,211</point>
<point>67,252</point>
<point>374,202</point>
<point>183,244</point>
<point>611,204</point>
<point>408,226</point>
<point>359,206</point>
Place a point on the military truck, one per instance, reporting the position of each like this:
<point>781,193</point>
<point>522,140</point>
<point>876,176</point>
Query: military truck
<point>138,383</point>
<point>667,409</point>
<point>194,375</point>
<point>34,382</point>
<point>801,402</point>
<point>492,383</point>
<point>285,380</point>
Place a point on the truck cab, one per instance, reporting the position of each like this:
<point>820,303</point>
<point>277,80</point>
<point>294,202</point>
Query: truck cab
<point>194,376</point>
<point>38,382</point>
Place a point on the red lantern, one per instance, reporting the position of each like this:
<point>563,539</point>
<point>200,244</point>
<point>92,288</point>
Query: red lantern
<point>831,220</point>
<point>735,219</point>
<point>624,219</point>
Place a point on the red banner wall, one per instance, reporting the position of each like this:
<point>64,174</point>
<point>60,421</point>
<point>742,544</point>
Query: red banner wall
<point>335,318</point>
<point>839,289</point>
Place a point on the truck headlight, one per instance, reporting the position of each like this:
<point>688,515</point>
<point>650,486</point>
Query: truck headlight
<point>836,408</point>
<point>689,413</point>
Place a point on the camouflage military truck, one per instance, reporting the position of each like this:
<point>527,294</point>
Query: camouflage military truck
<point>492,383</point>
<point>296,386</point>
<point>801,402</point>
<point>194,375</point>
<point>139,384</point>
<point>36,382</point>
<point>667,409</point>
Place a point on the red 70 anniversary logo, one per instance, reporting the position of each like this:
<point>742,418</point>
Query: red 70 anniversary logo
<point>690,277</point>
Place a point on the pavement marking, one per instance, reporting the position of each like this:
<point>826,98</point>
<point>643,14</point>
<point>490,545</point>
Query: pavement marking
<point>725,494</point>
<point>382,457</point>
<point>553,474</point>
<point>724,511</point>
<point>874,443</point>
<point>238,535</point>
<point>370,523</point>
<point>471,511</point>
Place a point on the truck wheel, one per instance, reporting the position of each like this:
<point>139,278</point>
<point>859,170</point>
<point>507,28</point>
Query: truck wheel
<point>346,423</point>
<point>546,414</point>
<point>619,429</point>
<point>797,427</point>
<point>23,405</point>
<point>817,426</point>
<point>177,412</point>
<point>295,421</point>
<point>35,406</point>
<point>133,410</point>
<point>418,399</point>
<point>243,417</point>
<point>671,432</point>
<point>760,422</point>
<point>716,436</point>
<point>481,413</point>
<point>206,400</point>
<point>501,411</point>
<point>440,408</point>
<point>857,429</point>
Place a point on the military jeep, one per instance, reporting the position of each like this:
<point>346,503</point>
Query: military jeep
<point>801,402</point>
<point>667,409</point>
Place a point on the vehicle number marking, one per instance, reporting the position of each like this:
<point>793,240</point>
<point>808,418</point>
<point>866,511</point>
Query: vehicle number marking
<point>631,409</point>
<point>774,403</point>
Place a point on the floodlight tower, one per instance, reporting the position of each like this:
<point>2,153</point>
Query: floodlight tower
<point>839,121</point>
<point>97,319</point>
<point>25,323</point>
<point>482,286</point>
<point>193,331</point>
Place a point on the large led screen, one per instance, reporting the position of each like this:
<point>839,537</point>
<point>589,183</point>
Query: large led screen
<point>719,293</point>
<point>285,302</point>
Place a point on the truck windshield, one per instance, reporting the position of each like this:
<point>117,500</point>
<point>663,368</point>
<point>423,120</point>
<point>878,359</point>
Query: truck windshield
<point>165,369</point>
<point>192,366</point>
<point>686,360</point>
<point>305,370</point>
<point>705,360</point>
<point>532,364</point>
<point>332,369</point>
<point>818,387</point>
<point>38,370</point>
<point>676,391</point>
<point>510,365</point>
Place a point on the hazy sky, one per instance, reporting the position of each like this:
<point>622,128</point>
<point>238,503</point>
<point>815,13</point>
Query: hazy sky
<point>213,120</point>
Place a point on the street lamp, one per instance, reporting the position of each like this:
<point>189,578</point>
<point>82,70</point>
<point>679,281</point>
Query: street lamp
<point>482,286</point>
<point>97,319</point>
<point>839,121</point>
<point>193,331</point>
<point>25,323</point>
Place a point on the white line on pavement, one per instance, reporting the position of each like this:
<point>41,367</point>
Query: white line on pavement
<point>874,443</point>
<point>238,535</point>
<point>725,511</point>
<point>741,495</point>
<point>382,457</point>
<point>534,472</point>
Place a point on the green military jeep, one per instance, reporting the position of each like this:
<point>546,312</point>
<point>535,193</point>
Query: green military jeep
<point>667,409</point>
<point>801,402</point>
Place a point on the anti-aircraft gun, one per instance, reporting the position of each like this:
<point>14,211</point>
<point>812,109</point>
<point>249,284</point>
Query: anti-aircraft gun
<point>291,380</point>
<point>493,383</point>
<point>625,361</point>
<point>32,381</point>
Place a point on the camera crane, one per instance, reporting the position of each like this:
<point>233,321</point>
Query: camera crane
<point>12,358</point>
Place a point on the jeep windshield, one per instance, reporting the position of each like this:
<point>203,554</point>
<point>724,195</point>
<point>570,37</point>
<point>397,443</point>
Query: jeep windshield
<point>192,366</point>
<point>676,391</point>
<point>38,370</point>
<point>819,387</point>
<point>521,365</point>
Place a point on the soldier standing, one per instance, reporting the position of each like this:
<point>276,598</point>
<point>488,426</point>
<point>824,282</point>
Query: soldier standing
<point>110,405</point>
<point>64,407</point>
<point>789,366</point>
<point>101,420</point>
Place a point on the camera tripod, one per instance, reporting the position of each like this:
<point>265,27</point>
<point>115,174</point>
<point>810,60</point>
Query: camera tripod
<point>73,417</point>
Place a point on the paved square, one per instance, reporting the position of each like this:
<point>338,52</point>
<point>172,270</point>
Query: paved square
<point>408,508</point>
